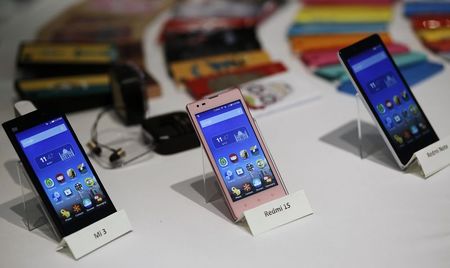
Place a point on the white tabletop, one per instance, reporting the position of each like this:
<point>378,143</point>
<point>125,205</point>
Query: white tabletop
<point>368,213</point>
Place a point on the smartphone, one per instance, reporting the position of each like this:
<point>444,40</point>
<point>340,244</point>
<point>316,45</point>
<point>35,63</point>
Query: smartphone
<point>244,169</point>
<point>60,173</point>
<point>388,98</point>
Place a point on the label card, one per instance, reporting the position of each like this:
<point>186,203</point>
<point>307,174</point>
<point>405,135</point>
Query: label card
<point>96,235</point>
<point>278,212</point>
<point>434,157</point>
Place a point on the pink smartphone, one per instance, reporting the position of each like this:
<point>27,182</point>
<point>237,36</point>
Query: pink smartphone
<point>244,169</point>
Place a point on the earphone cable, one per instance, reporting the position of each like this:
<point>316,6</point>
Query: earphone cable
<point>94,129</point>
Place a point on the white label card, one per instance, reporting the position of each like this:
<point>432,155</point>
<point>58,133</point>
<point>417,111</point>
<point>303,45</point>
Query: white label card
<point>278,212</point>
<point>434,157</point>
<point>97,234</point>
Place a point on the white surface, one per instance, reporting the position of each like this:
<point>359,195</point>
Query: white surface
<point>367,212</point>
<point>278,212</point>
<point>96,235</point>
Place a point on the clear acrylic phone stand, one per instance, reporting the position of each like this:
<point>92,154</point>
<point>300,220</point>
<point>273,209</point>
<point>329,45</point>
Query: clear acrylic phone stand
<point>425,162</point>
<point>358,122</point>
<point>33,216</point>
<point>81,242</point>
<point>289,208</point>
<point>363,134</point>
<point>211,191</point>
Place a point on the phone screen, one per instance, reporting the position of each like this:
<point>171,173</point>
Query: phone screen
<point>62,170</point>
<point>236,150</point>
<point>391,100</point>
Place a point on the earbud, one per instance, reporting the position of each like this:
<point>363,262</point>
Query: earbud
<point>116,155</point>
<point>96,149</point>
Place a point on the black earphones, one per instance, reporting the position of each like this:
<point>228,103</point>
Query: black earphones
<point>95,147</point>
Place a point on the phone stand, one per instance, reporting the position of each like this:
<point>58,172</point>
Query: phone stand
<point>369,139</point>
<point>83,241</point>
<point>366,145</point>
<point>359,127</point>
<point>33,216</point>
<point>211,190</point>
<point>266,216</point>
<point>426,161</point>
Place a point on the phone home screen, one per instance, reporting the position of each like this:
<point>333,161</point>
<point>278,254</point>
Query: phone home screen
<point>236,150</point>
<point>62,170</point>
<point>389,97</point>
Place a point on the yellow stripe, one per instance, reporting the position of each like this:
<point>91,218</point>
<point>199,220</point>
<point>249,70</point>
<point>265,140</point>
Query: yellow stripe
<point>344,14</point>
<point>300,44</point>
<point>64,53</point>
<point>216,64</point>
<point>59,82</point>
<point>434,35</point>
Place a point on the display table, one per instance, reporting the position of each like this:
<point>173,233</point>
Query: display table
<point>367,213</point>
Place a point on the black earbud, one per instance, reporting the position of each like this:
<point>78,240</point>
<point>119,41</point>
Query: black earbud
<point>116,155</point>
<point>96,148</point>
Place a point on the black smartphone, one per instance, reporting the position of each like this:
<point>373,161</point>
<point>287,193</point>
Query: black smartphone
<point>59,171</point>
<point>387,96</point>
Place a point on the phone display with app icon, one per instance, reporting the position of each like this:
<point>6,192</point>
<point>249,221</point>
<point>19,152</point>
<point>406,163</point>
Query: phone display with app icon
<point>246,173</point>
<point>387,96</point>
<point>59,171</point>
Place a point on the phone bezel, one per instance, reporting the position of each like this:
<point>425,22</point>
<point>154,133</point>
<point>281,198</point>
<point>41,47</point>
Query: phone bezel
<point>31,120</point>
<point>404,155</point>
<point>236,207</point>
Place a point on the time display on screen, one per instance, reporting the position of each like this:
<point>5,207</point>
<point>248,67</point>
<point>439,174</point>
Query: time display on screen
<point>62,153</point>
<point>230,137</point>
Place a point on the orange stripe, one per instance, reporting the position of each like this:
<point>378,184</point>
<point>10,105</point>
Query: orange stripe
<point>300,44</point>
